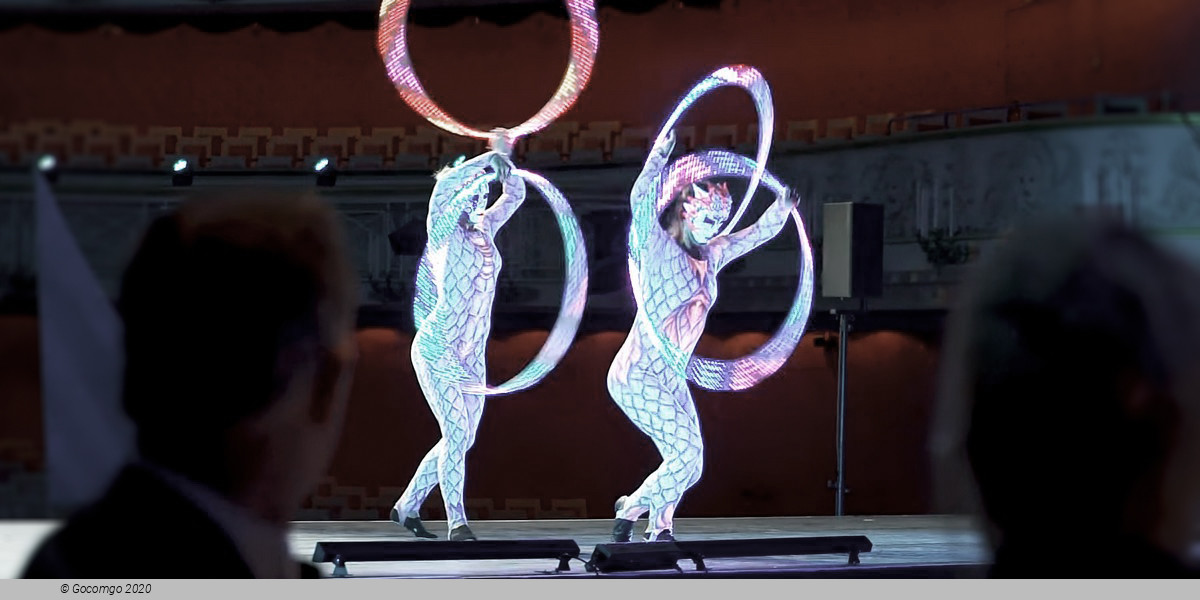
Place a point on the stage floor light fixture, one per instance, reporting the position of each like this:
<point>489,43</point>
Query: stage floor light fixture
<point>651,556</point>
<point>340,553</point>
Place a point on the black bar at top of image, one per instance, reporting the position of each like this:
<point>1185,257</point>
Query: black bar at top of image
<point>298,15</point>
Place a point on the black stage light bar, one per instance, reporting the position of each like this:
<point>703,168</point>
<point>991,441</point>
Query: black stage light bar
<point>635,556</point>
<point>664,555</point>
<point>851,545</point>
<point>340,553</point>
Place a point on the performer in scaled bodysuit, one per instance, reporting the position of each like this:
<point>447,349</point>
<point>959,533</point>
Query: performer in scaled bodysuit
<point>675,273</point>
<point>456,278</point>
<point>453,326</point>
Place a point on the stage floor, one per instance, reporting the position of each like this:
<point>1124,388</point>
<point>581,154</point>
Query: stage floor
<point>904,546</point>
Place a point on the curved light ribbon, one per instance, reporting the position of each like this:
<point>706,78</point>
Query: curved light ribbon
<point>747,371</point>
<point>744,372</point>
<point>751,80</point>
<point>392,44</point>
<point>465,181</point>
<point>573,299</point>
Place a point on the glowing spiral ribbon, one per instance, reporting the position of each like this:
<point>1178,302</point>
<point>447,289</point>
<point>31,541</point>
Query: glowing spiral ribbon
<point>573,299</point>
<point>469,178</point>
<point>747,371</point>
<point>392,43</point>
<point>751,80</point>
<point>744,372</point>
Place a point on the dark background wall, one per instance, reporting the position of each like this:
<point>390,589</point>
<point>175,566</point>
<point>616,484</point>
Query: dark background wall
<point>823,59</point>
<point>770,449</point>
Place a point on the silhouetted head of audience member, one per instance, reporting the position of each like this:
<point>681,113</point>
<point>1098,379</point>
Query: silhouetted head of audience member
<point>1069,395</point>
<point>239,315</point>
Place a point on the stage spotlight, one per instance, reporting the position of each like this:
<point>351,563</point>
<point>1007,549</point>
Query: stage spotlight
<point>326,173</point>
<point>47,165</point>
<point>181,173</point>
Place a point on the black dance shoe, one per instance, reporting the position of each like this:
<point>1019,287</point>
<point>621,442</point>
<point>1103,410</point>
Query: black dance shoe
<point>622,530</point>
<point>663,536</point>
<point>462,533</point>
<point>413,524</point>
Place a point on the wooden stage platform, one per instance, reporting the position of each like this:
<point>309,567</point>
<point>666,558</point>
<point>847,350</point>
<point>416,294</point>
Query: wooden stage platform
<point>903,546</point>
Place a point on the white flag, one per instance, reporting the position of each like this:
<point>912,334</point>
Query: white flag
<point>88,436</point>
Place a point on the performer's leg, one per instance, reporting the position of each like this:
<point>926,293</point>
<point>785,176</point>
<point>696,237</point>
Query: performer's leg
<point>668,417</point>
<point>662,408</point>
<point>474,408</point>
<point>458,433</point>
<point>422,483</point>
<point>407,509</point>
<point>685,461</point>
<point>637,399</point>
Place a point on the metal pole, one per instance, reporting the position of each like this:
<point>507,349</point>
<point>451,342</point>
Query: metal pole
<point>843,341</point>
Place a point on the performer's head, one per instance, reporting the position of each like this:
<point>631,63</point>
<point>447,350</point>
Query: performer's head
<point>475,202</point>
<point>455,195</point>
<point>239,342</point>
<point>703,209</point>
<point>1070,389</point>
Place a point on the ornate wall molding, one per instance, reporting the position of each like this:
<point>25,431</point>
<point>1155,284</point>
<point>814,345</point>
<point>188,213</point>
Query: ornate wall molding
<point>973,187</point>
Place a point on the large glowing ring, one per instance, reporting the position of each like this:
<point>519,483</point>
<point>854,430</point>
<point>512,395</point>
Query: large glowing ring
<point>744,372</point>
<point>573,299</point>
<point>751,80</point>
<point>391,41</point>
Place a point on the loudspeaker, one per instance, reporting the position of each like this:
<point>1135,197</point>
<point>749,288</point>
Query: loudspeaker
<point>852,250</point>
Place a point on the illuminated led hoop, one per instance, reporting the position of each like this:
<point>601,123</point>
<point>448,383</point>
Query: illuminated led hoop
<point>573,299</point>
<point>751,80</point>
<point>744,372</point>
<point>391,41</point>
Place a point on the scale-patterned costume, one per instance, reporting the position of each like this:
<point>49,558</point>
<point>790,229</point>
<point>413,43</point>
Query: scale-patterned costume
<point>649,379</point>
<point>456,284</point>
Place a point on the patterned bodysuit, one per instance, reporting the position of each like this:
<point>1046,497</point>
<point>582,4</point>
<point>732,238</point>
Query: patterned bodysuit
<point>461,264</point>
<point>648,380</point>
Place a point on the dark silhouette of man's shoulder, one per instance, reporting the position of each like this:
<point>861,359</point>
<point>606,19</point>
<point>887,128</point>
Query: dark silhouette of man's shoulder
<point>1074,556</point>
<point>140,528</point>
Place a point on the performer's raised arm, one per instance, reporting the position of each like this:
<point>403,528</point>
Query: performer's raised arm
<point>451,198</point>
<point>452,179</point>
<point>729,248</point>
<point>510,199</point>
<point>645,189</point>
<point>643,199</point>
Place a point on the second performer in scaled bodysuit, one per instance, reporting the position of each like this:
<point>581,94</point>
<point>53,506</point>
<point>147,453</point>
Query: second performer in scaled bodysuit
<point>456,284</point>
<point>674,270</point>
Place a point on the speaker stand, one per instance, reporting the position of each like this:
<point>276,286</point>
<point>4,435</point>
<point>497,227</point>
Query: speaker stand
<point>839,484</point>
